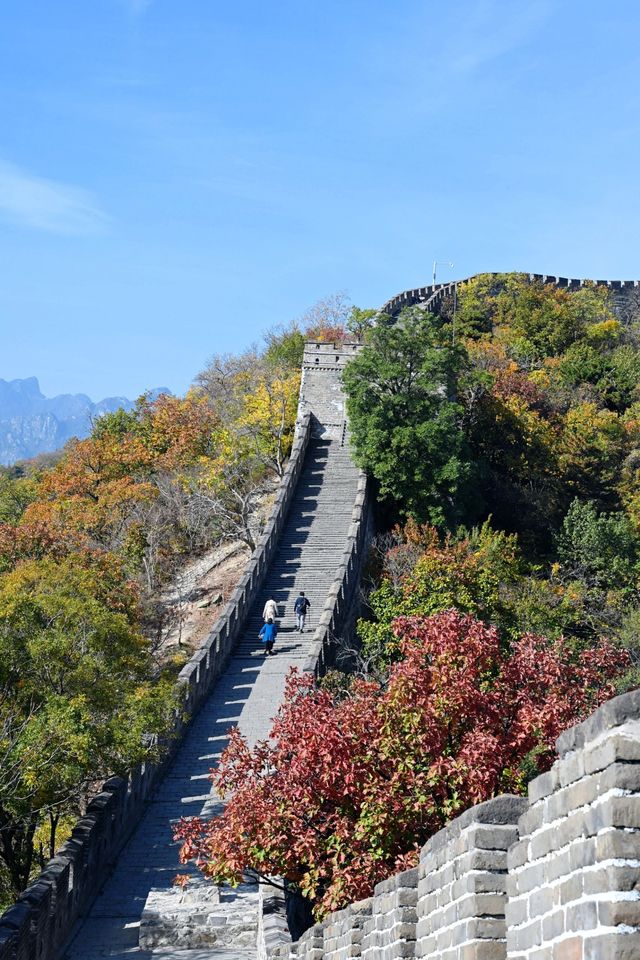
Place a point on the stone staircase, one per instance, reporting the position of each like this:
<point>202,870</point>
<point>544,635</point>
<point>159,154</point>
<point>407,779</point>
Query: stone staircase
<point>247,695</point>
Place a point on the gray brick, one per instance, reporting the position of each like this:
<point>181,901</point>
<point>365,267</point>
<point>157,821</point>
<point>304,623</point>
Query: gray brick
<point>516,911</point>
<point>625,776</point>
<point>524,938</point>
<point>581,916</point>
<point>518,854</point>
<point>623,878</point>
<point>612,913</point>
<point>553,925</point>
<point>571,767</point>
<point>617,844</point>
<point>571,888</point>
<point>615,747</point>
<point>543,786</point>
<point>485,950</point>
<point>540,901</point>
<point>612,946</point>
<point>534,876</point>
<point>583,853</point>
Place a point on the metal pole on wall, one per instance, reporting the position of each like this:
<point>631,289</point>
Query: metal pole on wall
<point>440,263</point>
<point>455,308</point>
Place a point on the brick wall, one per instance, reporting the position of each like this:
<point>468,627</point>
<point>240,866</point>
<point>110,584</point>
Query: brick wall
<point>322,400</point>
<point>462,888</point>
<point>344,931</point>
<point>321,392</point>
<point>554,876</point>
<point>574,874</point>
<point>390,932</point>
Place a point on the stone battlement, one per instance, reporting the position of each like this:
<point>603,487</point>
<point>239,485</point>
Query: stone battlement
<point>554,876</point>
<point>626,293</point>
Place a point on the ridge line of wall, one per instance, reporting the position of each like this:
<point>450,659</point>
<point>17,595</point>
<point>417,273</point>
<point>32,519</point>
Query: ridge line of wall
<point>433,294</point>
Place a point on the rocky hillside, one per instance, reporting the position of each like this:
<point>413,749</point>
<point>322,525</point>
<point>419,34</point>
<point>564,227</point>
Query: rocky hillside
<point>31,423</point>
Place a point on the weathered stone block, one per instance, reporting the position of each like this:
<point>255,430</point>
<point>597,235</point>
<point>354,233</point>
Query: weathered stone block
<point>622,745</point>
<point>583,853</point>
<point>518,854</point>
<point>617,844</point>
<point>553,925</point>
<point>612,946</point>
<point>194,917</point>
<point>569,949</point>
<point>614,912</point>
<point>534,875</point>
<point>570,889</point>
<point>581,916</point>
<point>543,786</point>
<point>516,911</point>
<point>483,950</point>
<point>612,877</point>
<point>526,937</point>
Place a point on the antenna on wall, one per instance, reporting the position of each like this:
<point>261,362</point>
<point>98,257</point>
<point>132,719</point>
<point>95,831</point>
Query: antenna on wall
<point>441,263</point>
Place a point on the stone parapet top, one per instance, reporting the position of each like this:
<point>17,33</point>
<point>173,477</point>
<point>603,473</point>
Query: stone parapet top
<point>423,294</point>
<point>612,714</point>
<point>506,809</point>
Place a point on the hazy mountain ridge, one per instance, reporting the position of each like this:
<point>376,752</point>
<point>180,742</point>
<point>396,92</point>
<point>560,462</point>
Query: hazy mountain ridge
<point>31,423</point>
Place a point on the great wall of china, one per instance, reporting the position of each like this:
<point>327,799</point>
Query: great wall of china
<point>552,877</point>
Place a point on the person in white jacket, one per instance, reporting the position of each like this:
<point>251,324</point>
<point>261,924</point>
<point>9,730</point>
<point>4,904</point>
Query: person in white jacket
<point>270,611</point>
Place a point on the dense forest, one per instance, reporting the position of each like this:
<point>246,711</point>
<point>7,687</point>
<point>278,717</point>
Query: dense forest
<point>502,434</point>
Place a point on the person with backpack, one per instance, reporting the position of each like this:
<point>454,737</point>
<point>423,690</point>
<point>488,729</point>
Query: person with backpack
<point>268,636</point>
<point>300,608</point>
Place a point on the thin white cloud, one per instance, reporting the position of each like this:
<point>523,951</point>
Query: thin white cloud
<point>48,205</point>
<point>494,28</point>
<point>136,7</point>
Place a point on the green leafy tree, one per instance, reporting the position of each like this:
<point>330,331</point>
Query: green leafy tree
<point>76,699</point>
<point>405,423</point>
<point>599,549</point>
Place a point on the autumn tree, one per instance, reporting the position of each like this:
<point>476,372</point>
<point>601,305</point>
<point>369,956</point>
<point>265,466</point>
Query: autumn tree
<point>347,789</point>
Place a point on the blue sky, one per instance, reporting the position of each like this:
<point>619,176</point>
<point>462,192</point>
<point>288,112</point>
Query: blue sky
<point>178,175</point>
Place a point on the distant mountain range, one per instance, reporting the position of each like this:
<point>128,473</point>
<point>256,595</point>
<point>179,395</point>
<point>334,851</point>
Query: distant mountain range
<point>31,423</point>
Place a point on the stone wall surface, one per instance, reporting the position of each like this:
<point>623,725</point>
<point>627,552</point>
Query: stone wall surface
<point>321,392</point>
<point>574,874</point>
<point>345,930</point>
<point>390,931</point>
<point>462,887</point>
<point>553,876</point>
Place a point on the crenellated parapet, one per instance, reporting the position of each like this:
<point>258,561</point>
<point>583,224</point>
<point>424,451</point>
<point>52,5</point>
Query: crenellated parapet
<point>321,393</point>
<point>551,876</point>
<point>625,293</point>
